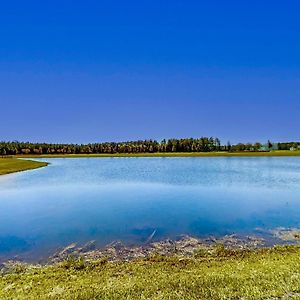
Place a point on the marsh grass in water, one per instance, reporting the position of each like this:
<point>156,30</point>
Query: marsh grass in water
<point>216,274</point>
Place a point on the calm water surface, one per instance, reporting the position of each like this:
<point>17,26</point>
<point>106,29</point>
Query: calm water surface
<point>126,199</point>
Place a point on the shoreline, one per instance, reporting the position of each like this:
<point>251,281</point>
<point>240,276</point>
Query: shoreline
<point>9,165</point>
<point>217,271</point>
<point>184,245</point>
<point>275,153</point>
<point>24,162</point>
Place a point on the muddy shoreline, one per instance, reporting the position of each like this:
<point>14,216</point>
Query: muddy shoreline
<point>184,245</point>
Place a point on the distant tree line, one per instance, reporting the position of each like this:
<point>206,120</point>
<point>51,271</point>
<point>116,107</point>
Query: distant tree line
<point>203,144</point>
<point>288,145</point>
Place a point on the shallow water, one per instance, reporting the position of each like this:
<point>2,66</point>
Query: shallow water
<point>106,199</point>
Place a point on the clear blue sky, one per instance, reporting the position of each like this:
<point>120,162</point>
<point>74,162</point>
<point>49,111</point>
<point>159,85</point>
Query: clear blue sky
<point>87,71</point>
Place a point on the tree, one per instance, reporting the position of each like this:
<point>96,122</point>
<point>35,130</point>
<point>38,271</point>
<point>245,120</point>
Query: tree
<point>270,145</point>
<point>3,152</point>
<point>228,146</point>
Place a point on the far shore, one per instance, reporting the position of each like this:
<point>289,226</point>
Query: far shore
<point>168,154</point>
<point>12,164</point>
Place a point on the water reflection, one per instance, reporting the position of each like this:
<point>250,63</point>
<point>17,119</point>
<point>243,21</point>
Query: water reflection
<point>128,198</point>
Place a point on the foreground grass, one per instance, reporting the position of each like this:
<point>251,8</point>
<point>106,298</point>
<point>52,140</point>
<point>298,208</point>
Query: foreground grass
<point>11,165</point>
<point>262,274</point>
<point>172,154</point>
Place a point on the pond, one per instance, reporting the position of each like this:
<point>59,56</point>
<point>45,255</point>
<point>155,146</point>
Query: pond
<point>130,199</point>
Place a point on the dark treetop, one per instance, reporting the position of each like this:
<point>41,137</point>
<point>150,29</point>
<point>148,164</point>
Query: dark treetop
<point>203,144</point>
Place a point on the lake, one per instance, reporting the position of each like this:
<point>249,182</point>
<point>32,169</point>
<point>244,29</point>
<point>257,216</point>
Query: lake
<point>127,199</point>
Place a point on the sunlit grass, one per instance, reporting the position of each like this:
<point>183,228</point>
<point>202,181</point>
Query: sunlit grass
<point>11,165</point>
<point>260,274</point>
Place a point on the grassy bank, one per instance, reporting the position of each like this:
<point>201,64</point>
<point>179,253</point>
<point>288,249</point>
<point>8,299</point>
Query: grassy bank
<point>11,165</point>
<point>225,274</point>
<point>172,154</point>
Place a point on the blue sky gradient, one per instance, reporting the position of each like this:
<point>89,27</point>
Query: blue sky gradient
<point>88,71</point>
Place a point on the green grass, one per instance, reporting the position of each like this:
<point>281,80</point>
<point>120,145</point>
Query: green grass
<point>261,274</point>
<point>11,165</point>
<point>173,154</point>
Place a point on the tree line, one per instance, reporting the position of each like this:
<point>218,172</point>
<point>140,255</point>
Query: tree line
<point>142,146</point>
<point>288,145</point>
<point>203,144</point>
